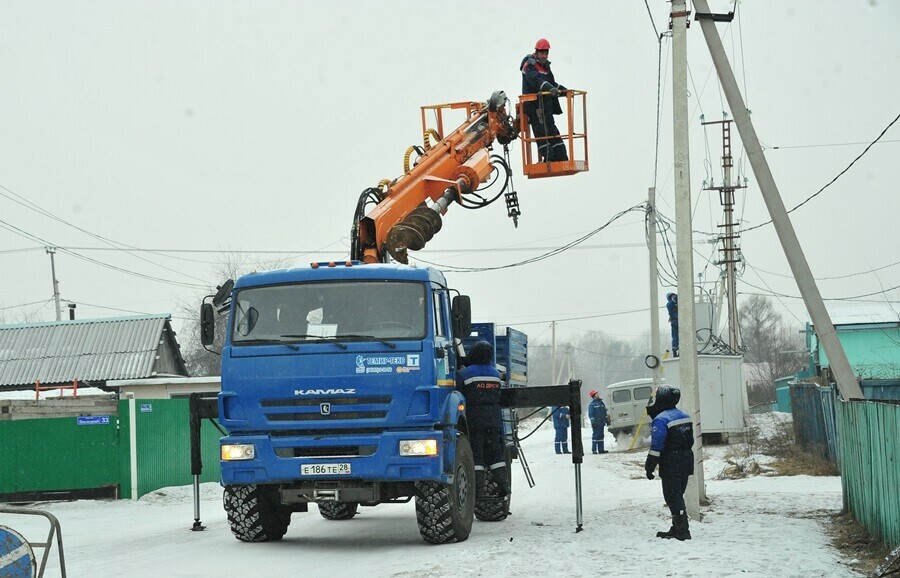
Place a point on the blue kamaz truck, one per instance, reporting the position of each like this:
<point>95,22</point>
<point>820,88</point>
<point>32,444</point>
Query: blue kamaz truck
<point>338,388</point>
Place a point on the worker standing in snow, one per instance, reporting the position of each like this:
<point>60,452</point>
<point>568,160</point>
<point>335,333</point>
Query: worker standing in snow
<point>561,425</point>
<point>479,382</point>
<point>672,308</point>
<point>537,78</point>
<point>599,420</point>
<point>670,447</point>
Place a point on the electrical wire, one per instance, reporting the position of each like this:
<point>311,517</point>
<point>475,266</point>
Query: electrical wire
<point>547,255</point>
<point>847,276</point>
<point>41,211</point>
<point>652,21</point>
<point>21,232</point>
<point>847,168</point>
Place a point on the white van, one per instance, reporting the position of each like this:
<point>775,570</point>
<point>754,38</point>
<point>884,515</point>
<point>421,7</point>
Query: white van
<point>626,403</point>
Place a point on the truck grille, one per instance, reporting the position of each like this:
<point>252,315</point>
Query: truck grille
<point>326,452</point>
<point>334,410</point>
<point>334,416</point>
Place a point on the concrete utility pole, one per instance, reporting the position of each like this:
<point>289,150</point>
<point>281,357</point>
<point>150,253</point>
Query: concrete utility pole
<point>553,353</point>
<point>52,251</point>
<point>684,254</point>
<point>654,288</point>
<point>837,358</point>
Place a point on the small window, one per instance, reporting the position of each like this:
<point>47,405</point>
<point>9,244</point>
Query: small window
<point>643,392</point>
<point>439,330</point>
<point>621,396</point>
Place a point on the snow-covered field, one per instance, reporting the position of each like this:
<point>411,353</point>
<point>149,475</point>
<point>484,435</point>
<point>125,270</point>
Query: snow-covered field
<point>761,526</point>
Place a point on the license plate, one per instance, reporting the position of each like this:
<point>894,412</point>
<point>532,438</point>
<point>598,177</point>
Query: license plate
<point>325,469</point>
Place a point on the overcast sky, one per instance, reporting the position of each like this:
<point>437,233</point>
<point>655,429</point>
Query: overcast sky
<point>253,126</point>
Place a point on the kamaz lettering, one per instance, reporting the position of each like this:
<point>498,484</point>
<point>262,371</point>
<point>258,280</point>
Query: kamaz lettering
<point>325,391</point>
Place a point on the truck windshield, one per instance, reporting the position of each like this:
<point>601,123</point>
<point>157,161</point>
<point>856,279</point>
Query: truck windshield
<point>331,311</point>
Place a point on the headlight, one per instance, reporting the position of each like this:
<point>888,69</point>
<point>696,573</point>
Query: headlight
<point>232,452</point>
<point>418,448</point>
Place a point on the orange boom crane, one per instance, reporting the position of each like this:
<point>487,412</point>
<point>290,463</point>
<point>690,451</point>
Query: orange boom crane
<point>408,211</point>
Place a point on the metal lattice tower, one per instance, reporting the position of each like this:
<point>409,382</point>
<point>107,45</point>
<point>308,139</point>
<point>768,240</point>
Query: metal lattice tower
<point>730,249</point>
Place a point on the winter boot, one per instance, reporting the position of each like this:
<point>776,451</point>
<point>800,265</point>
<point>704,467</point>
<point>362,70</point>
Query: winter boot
<point>499,476</point>
<point>670,533</point>
<point>565,448</point>
<point>559,447</point>
<point>682,530</point>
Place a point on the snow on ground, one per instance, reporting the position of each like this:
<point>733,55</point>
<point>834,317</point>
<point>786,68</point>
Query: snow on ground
<point>760,526</point>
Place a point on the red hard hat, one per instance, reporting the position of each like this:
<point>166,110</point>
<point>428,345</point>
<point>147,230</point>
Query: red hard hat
<point>592,392</point>
<point>542,44</point>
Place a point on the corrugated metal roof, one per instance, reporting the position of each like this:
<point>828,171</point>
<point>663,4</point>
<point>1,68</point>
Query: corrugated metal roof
<point>87,350</point>
<point>886,312</point>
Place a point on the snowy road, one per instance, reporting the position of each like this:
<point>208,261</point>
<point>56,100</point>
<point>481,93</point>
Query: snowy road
<point>761,526</point>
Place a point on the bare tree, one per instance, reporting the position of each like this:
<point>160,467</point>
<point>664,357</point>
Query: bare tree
<point>772,348</point>
<point>199,360</point>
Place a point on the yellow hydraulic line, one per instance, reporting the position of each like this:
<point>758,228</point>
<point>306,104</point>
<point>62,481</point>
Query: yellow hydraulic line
<point>426,134</point>
<point>409,152</point>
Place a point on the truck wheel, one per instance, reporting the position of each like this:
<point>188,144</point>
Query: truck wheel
<point>338,510</point>
<point>444,512</point>
<point>491,508</point>
<point>255,513</point>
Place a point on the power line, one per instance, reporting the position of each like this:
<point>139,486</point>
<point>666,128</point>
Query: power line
<point>41,211</point>
<point>82,303</point>
<point>836,144</point>
<point>849,298</point>
<point>43,301</point>
<point>541,257</point>
<point>23,233</point>
<point>847,168</point>
<point>613,314</point>
<point>857,274</point>
<point>652,21</point>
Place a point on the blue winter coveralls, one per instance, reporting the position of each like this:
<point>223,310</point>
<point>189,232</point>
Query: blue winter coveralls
<point>536,78</point>
<point>670,447</point>
<point>672,308</point>
<point>599,420</point>
<point>561,425</point>
<point>480,385</point>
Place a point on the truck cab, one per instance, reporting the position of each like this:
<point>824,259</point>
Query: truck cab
<point>338,388</point>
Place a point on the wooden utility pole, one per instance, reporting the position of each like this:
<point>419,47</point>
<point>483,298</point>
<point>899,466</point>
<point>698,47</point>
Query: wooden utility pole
<point>684,254</point>
<point>837,358</point>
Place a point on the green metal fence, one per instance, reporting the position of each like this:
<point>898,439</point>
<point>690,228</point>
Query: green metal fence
<point>870,459</point>
<point>66,453</point>
<point>71,453</point>
<point>164,445</point>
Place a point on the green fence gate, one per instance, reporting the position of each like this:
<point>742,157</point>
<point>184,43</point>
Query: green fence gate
<point>92,456</point>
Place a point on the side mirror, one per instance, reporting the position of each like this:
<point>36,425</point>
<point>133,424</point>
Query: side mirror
<point>207,324</point>
<point>462,316</point>
<point>223,292</point>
